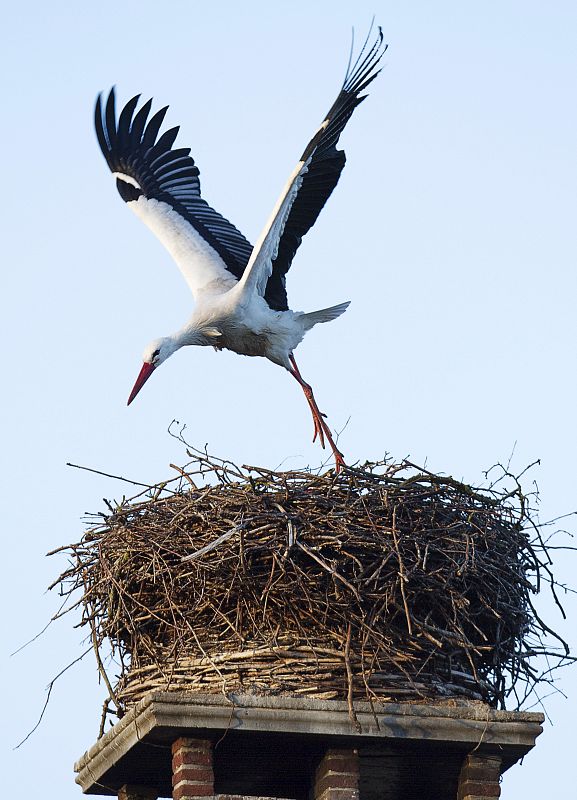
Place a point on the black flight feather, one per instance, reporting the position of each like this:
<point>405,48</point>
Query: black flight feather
<point>324,170</point>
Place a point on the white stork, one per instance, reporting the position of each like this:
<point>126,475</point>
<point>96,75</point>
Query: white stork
<point>240,290</point>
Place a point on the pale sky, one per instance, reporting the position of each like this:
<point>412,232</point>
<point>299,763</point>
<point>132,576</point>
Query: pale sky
<point>452,231</point>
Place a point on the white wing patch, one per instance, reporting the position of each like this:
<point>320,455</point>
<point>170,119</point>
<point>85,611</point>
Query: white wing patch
<point>259,268</point>
<point>199,263</point>
<point>127,179</point>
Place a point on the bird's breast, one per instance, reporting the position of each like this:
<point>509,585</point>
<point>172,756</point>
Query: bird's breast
<point>253,330</point>
<point>244,342</point>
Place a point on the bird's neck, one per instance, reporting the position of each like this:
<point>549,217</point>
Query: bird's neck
<point>195,333</point>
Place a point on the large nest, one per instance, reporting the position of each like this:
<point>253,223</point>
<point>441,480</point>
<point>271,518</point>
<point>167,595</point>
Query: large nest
<point>381,583</point>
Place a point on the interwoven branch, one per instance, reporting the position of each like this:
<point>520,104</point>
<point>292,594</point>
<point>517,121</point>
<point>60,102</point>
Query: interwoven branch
<point>386,582</point>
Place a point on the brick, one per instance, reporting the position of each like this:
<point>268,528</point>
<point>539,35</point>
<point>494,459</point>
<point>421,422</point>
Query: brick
<point>339,752</point>
<point>184,758</point>
<point>478,768</point>
<point>339,765</point>
<point>475,762</point>
<point>324,774</point>
<point>184,790</point>
<point>191,747</point>
<point>340,781</point>
<point>192,743</point>
<point>338,794</point>
<point>193,774</point>
<point>475,789</point>
<point>476,797</point>
<point>479,778</point>
<point>337,776</point>
<point>192,752</point>
<point>480,773</point>
<point>338,761</point>
<point>200,778</point>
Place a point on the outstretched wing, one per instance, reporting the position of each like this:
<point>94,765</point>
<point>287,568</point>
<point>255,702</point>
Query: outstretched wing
<point>310,185</point>
<point>161,185</point>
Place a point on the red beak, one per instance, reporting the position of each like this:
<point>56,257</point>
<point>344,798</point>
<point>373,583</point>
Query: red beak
<point>144,375</point>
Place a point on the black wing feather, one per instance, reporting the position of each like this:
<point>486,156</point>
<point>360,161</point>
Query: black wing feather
<point>100,135</point>
<point>124,124</point>
<point>166,159</point>
<point>324,170</point>
<point>132,147</point>
<point>151,130</point>
<point>139,123</point>
<point>110,120</point>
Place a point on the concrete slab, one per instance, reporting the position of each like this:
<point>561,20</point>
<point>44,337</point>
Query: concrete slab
<point>261,737</point>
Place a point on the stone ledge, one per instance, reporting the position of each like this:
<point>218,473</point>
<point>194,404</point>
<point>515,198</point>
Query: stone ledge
<point>161,717</point>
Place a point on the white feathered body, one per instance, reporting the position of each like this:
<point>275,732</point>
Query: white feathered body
<point>246,325</point>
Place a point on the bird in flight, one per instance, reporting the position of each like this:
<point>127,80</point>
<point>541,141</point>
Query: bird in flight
<point>239,290</point>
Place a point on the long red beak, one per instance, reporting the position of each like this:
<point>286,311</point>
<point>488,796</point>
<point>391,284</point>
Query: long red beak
<point>144,375</point>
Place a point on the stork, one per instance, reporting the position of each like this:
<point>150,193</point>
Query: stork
<point>239,290</point>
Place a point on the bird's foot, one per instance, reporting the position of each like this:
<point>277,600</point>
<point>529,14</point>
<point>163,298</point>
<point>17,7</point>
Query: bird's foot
<point>338,456</point>
<point>318,416</point>
<point>321,430</point>
<point>318,422</point>
<point>324,432</point>
<point>339,460</point>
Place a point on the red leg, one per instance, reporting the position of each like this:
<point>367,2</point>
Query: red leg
<point>322,430</point>
<point>307,389</point>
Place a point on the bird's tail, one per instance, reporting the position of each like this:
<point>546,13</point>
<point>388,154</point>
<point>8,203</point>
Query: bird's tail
<point>324,315</point>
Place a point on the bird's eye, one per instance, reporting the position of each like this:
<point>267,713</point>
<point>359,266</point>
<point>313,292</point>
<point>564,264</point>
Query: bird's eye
<point>155,355</point>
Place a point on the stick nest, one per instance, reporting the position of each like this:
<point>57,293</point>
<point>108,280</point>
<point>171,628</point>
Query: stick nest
<point>381,583</point>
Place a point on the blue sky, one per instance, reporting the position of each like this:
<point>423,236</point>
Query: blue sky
<point>452,232</point>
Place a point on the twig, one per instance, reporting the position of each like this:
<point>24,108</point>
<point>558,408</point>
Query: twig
<point>48,693</point>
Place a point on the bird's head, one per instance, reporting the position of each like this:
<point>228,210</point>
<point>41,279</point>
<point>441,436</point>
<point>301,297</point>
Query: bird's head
<point>154,354</point>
